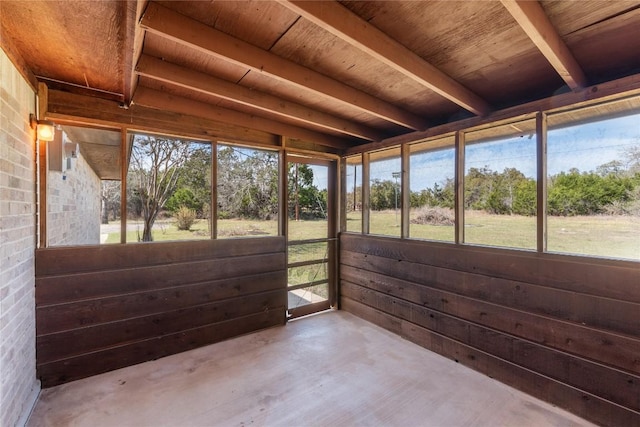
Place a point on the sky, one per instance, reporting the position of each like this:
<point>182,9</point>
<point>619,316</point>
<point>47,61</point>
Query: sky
<point>584,147</point>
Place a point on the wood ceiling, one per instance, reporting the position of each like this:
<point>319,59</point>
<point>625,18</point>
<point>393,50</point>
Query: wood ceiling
<point>336,74</point>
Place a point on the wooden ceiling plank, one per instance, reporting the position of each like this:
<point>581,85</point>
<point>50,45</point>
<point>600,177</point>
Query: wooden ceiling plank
<point>160,100</point>
<point>534,21</point>
<point>167,23</point>
<point>164,71</point>
<point>341,22</point>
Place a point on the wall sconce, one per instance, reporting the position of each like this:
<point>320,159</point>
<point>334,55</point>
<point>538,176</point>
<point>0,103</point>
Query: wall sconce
<point>45,129</point>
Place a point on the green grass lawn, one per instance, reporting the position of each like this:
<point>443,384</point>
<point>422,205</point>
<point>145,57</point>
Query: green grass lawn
<point>608,236</point>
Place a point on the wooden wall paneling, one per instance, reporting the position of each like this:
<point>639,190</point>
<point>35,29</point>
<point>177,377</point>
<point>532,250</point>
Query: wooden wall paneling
<point>128,329</point>
<point>579,402</point>
<point>595,344</point>
<point>605,313</point>
<point>65,370</point>
<point>614,385</point>
<point>74,287</point>
<point>81,259</point>
<point>84,313</point>
<point>585,275</point>
<point>127,304</point>
<point>493,308</point>
<point>333,190</point>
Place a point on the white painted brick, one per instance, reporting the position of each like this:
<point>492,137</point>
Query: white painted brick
<point>17,239</point>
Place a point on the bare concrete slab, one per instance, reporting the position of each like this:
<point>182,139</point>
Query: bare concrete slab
<point>331,369</point>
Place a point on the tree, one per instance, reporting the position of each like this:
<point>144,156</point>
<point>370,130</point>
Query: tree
<point>154,170</point>
<point>110,200</point>
<point>305,199</point>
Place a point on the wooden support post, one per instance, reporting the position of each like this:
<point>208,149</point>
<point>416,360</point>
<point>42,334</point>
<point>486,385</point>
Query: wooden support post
<point>43,167</point>
<point>213,212</point>
<point>282,190</point>
<point>459,182</point>
<point>541,144</point>
<point>332,209</point>
<point>405,204</point>
<point>365,193</point>
<point>124,154</point>
<point>342,205</point>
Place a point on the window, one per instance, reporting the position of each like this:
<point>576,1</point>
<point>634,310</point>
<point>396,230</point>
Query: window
<point>593,187</point>
<point>354,194</point>
<point>500,186</point>
<point>168,189</point>
<point>432,179</point>
<point>83,187</point>
<point>385,192</point>
<point>247,192</point>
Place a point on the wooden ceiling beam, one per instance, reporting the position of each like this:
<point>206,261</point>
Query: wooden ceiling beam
<point>163,101</point>
<point>341,22</point>
<point>534,21</point>
<point>163,71</point>
<point>166,23</point>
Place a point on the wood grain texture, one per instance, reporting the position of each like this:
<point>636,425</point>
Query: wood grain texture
<point>104,307</point>
<point>561,322</point>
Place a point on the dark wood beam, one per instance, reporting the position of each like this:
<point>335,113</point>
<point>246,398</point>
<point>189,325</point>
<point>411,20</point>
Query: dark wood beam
<point>627,86</point>
<point>341,22</point>
<point>534,21</point>
<point>163,71</point>
<point>189,32</point>
<point>164,101</point>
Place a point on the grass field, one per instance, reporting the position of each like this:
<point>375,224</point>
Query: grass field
<point>608,236</point>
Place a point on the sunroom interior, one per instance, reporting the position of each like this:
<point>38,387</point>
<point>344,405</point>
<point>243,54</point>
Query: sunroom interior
<point>367,188</point>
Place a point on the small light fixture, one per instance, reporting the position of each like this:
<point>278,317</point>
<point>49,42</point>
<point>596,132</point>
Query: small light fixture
<point>45,129</point>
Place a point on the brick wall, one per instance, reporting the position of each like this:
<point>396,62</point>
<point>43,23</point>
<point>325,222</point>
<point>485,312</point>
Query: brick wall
<point>18,384</point>
<point>73,216</point>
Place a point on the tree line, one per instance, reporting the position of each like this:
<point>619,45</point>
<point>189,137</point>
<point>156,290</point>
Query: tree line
<point>167,176</point>
<point>613,187</point>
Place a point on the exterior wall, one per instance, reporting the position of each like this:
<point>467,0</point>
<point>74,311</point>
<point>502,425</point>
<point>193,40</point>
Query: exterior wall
<point>73,216</point>
<point>562,328</point>
<point>18,384</point>
<point>104,307</point>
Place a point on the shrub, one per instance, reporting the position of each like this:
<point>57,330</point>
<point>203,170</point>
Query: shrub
<point>434,216</point>
<point>185,218</point>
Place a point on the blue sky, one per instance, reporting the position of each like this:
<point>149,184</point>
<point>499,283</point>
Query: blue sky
<point>584,147</point>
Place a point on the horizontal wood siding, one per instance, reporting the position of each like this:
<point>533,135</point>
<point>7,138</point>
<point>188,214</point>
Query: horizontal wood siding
<point>565,329</point>
<point>101,308</point>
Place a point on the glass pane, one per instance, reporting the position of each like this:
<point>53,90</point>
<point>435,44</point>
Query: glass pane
<point>432,178</point>
<point>385,192</point>
<point>308,274</point>
<point>307,201</point>
<point>247,192</point>
<point>110,212</point>
<point>354,194</point>
<point>308,252</point>
<point>309,295</point>
<point>594,186</point>
<point>500,186</point>
<point>82,163</point>
<point>168,189</point>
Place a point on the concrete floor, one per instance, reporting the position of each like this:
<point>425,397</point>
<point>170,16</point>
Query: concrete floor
<point>328,369</point>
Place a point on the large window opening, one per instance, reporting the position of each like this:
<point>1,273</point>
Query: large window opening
<point>593,186</point>
<point>500,186</point>
<point>247,192</point>
<point>432,179</point>
<point>354,194</point>
<point>385,192</point>
<point>168,189</point>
